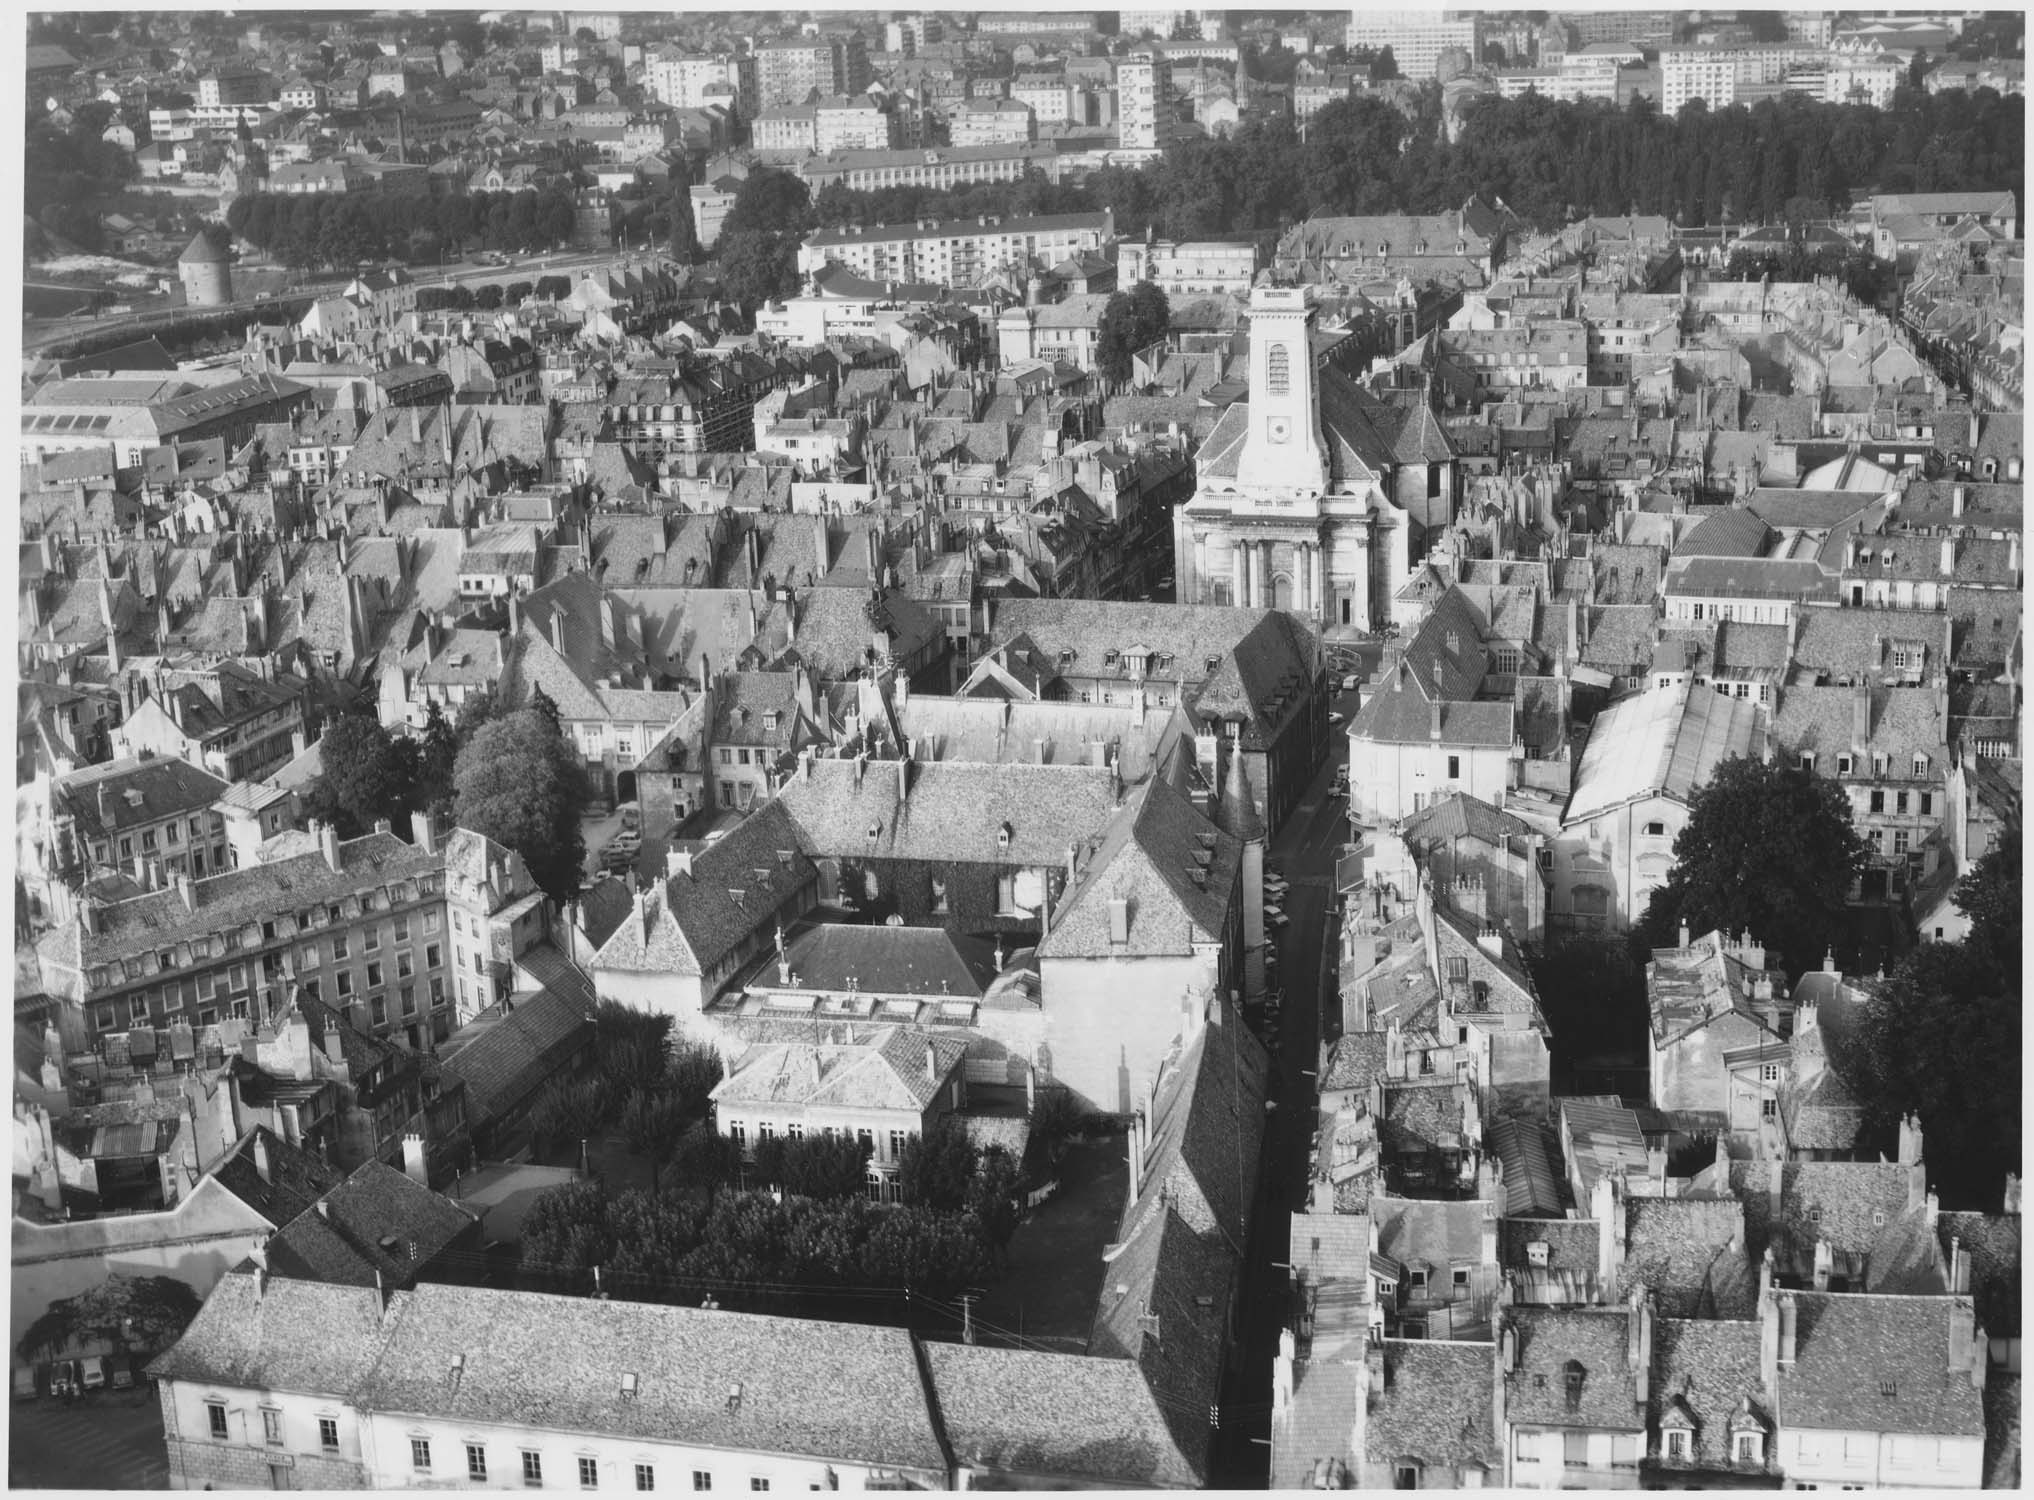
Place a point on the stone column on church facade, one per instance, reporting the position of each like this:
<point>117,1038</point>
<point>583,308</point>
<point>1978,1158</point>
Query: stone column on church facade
<point>1315,569</point>
<point>1239,567</point>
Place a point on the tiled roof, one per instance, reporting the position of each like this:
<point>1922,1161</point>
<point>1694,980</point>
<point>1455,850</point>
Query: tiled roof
<point>1729,532</point>
<point>1423,1232</point>
<point>1866,1363</point>
<point>898,1070</point>
<point>1355,1060</point>
<point>1992,1241</point>
<point>1573,1245</point>
<point>1665,740</point>
<point>508,1051</point>
<point>953,811</point>
<point>850,1392</point>
<point>1703,1373</point>
<point>1904,722</point>
<point>923,961</point>
<point>1018,1411</point>
<point>1552,1343</point>
<point>1691,1253</point>
<point>1463,816</point>
<point>272,1333</point>
<point>1435,1407</point>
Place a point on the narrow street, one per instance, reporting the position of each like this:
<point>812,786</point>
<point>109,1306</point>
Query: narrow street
<point>1304,852</point>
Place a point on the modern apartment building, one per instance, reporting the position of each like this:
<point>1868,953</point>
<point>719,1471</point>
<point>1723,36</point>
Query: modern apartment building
<point>956,252</point>
<point>1143,101</point>
<point>1417,38</point>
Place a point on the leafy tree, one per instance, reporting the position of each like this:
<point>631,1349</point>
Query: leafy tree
<point>1989,894</point>
<point>769,202</point>
<point>757,266</point>
<point>520,783</point>
<point>822,1167</point>
<point>140,1313</point>
<point>937,1169</point>
<point>1384,66</point>
<point>367,774</point>
<point>992,1197</point>
<point>930,1252</point>
<point>546,707</point>
<point>1768,849</point>
<point>1941,1038</point>
<point>437,754</point>
<point>478,710</point>
<point>567,1229</point>
<point>703,1160</point>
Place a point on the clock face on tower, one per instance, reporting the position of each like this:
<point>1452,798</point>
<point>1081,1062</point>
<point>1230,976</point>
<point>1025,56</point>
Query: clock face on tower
<point>1278,429</point>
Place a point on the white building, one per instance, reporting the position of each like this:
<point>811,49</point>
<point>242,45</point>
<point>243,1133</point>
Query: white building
<point>1417,38</point>
<point>992,122</point>
<point>852,123</point>
<point>299,1385</point>
<point>1189,268</point>
<point>1143,101</point>
<point>694,82</point>
<point>956,252</point>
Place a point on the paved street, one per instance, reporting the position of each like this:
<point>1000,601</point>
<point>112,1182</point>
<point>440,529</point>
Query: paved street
<point>110,1440</point>
<point>1304,851</point>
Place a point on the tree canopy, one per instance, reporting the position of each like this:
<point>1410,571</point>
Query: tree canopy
<point>1131,321</point>
<point>1769,850</point>
<point>519,782</point>
<point>1941,1039</point>
<point>143,1313</point>
<point>367,774</point>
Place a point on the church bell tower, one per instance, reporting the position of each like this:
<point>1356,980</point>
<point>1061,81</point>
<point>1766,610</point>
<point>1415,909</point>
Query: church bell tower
<point>1282,450</point>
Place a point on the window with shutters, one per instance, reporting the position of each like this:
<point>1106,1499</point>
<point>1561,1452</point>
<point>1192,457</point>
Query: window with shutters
<point>1278,371</point>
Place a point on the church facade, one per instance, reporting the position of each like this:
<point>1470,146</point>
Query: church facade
<point>1312,494</point>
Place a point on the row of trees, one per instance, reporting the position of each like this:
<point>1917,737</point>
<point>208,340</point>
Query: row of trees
<point>817,1231</point>
<point>459,297</point>
<point>654,1093</point>
<point>1550,160</point>
<point>308,230</point>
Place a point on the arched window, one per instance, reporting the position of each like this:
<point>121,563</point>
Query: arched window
<point>1278,370</point>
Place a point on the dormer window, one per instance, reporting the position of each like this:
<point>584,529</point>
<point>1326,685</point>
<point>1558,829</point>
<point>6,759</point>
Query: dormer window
<point>1536,1254</point>
<point>1808,762</point>
<point>1843,765</point>
<point>1677,1444</point>
<point>1920,766</point>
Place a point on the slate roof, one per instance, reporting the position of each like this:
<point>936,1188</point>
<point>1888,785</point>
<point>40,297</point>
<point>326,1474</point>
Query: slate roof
<point>125,793</point>
<point>1573,1245</point>
<point>1060,1415</point>
<point>850,1392</point>
<point>251,1335</point>
<point>925,961</point>
<point>1355,1060</point>
<point>1174,868</point>
<point>1317,1430</point>
<point>1531,1185</point>
<point>1538,1392</point>
<point>1436,1406</point>
<point>275,1179</point>
<point>1866,1363</point>
<point>378,1222</point>
<point>1463,816</point>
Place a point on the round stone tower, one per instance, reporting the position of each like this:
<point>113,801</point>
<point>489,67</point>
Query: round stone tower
<point>206,273</point>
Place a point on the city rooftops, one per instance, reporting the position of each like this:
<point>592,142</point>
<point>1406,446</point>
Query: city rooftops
<point>935,229</point>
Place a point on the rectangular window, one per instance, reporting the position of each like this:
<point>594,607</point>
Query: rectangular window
<point>1575,1449</point>
<point>646,1476</point>
<point>328,1434</point>
<point>374,976</point>
<point>406,964</point>
<point>701,1480</point>
<point>420,1455</point>
<point>215,1418</point>
<point>476,1461</point>
<point>402,929</point>
<point>758,1484</point>
<point>589,1474</point>
<point>379,1007</point>
<point>1878,802</point>
<point>430,925</point>
<point>339,948</point>
<point>1899,802</point>
<point>1927,803</point>
<point>371,939</point>
<point>271,1426</point>
<point>533,1469</point>
<point>433,956</point>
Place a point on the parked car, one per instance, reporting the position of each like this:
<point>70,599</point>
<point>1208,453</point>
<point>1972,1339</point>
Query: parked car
<point>63,1378</point>
<point>123,1373</point>
<point>24,1383</point>
<point>93,1370</point>
<point>631,816</point>
<point>1351,683</point>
